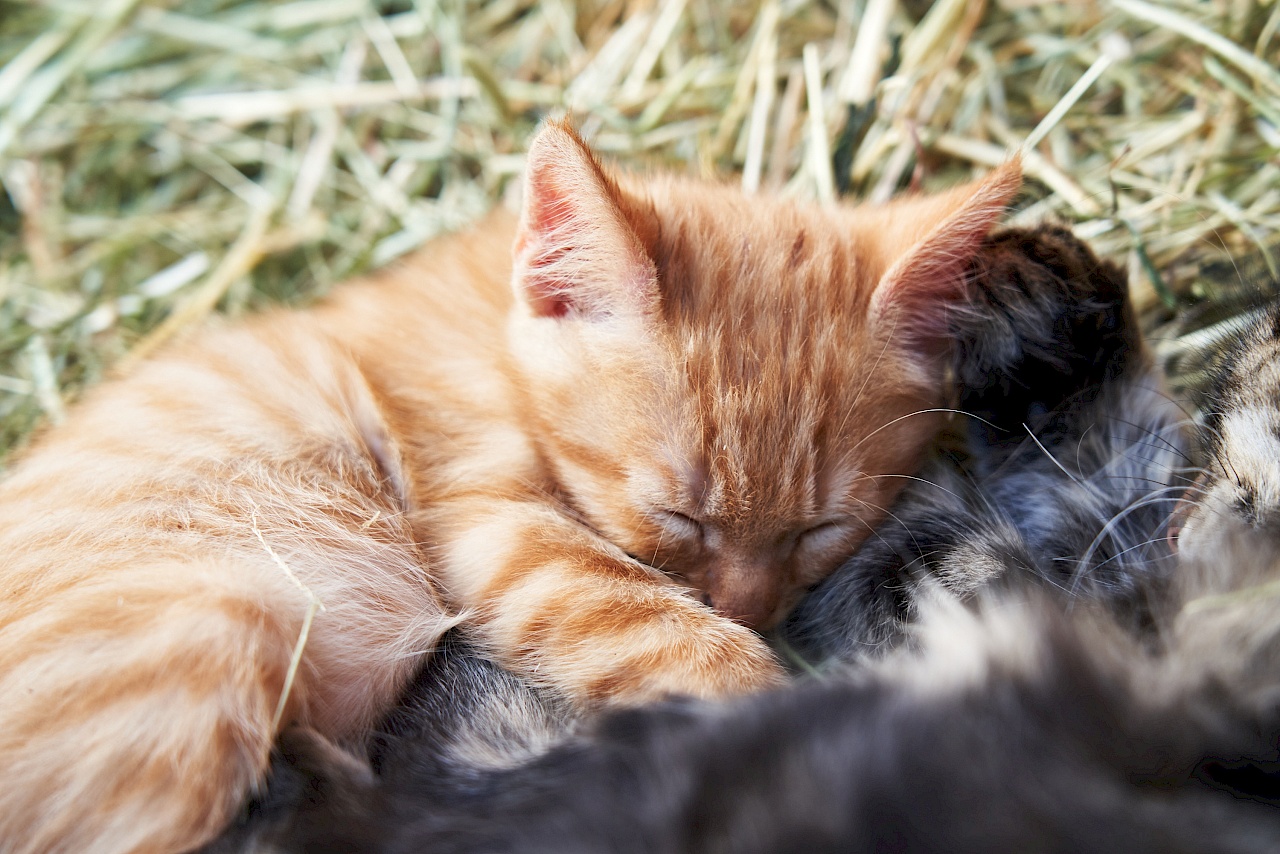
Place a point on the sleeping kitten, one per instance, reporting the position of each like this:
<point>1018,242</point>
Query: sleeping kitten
<point>1022,726</point>
<point>675,410</point>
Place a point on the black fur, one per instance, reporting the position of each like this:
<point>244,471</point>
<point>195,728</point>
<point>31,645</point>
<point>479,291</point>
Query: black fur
<point>1048,324</point>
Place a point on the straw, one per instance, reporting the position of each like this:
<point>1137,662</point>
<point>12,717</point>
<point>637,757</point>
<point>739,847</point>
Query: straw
<point>162,162</point>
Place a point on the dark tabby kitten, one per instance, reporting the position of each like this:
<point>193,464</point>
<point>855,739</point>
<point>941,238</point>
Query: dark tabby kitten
<point>1072,460</point>
<point>1140,717</point>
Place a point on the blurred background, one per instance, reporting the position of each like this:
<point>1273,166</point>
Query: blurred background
<point>163,160</point>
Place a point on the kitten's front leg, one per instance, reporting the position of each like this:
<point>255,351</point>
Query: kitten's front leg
<point>565,608</point>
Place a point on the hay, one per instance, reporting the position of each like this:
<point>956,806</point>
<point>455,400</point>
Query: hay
<point>161,161</point>
<point>314,605</point>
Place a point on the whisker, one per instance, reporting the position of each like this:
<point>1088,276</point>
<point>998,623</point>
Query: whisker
<point>917,479</point>
<point>1049,455</point>
<point>1154,541</point>
<point>891,515</point>
<point>1082,565</point>
<point>924,412</point>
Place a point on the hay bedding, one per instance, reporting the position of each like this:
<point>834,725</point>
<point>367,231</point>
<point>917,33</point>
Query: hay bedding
<point>161,161</point>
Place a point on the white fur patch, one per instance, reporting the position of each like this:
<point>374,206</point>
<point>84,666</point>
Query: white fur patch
<point>959,648</point>
<point>1252,447</point>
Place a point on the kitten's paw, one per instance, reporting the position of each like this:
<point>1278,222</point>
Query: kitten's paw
<point>741,664</point>
<point>634,641</point>
<point>718,659</point>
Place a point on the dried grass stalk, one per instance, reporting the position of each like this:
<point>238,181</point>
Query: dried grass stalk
<point>159,162</point>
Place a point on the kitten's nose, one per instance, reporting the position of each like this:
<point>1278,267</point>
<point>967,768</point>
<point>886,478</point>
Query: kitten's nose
<point>747,595</point>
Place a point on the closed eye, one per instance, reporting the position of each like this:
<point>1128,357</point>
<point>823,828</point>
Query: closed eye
<point>680,525</point>
<point>824,536</point>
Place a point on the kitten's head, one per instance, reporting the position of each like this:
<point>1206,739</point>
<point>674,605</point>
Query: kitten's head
<point>730,388</point>
<point>1224,629</point>
<point>1234,507</point>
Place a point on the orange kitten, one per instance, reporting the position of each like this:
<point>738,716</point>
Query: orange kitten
<point>687,395</point>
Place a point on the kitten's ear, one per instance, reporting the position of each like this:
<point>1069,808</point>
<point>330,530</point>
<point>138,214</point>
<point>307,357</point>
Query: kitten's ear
<point>937,238</point>
<point>575,253</point>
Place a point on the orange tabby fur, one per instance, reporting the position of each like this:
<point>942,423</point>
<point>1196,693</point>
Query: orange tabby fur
<point>681,380</point>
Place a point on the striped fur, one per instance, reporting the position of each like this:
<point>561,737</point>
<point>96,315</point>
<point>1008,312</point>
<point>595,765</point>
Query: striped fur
<point>683,393</point>
<point>1121,701</point>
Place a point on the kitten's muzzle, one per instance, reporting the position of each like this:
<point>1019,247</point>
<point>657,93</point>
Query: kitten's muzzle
<point>746,593</point>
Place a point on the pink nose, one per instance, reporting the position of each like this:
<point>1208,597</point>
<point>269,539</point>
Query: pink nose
<point>749,597</point>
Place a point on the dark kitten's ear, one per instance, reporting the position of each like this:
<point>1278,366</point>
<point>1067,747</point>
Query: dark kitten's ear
<point>575,254</point>
<point>931,242</point>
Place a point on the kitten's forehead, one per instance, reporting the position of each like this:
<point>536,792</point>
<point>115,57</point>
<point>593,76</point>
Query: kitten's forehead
<point>766,307</point>
<point>764,265</point>
<point>1242,416</point>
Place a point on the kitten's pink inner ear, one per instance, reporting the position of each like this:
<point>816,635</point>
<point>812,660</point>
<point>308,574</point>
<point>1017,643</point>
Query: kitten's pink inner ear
<point>574,251</point>
<point>913,297</point>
